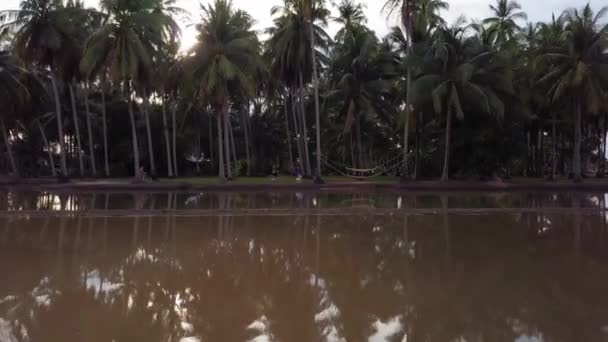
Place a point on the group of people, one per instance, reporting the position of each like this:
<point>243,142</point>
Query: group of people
<point>297,171</point>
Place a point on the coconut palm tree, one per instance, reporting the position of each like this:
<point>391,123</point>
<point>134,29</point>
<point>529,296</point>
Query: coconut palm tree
<point>124,46</point>
<point>13,93</point>
<point>580,71</point>
<point>295,41</point>
<point>409,10</point>
<point>361,72</point>
<point>40,28</point>
<point>503,24</point>
<point>454,79</point>
<point>224,60</point>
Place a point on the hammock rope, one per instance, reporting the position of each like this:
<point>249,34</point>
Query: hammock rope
<point>392,164</point>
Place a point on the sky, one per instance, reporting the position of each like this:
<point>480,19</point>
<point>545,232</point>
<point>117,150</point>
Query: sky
<point>537,10</point>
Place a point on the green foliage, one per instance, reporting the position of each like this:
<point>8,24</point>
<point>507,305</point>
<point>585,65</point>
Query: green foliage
<point>522,98</point>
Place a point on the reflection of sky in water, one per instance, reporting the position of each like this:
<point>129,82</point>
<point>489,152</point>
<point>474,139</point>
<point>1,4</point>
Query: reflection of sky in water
<point>94,283</point>
<point>260,327</point>
<point>383,331</point>
<point>528,338</point>
<point>6,332</point>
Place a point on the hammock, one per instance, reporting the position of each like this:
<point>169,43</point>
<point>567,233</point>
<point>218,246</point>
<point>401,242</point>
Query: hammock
<point>392,164</point>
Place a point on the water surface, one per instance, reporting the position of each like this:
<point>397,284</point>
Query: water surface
<point>536,272</point>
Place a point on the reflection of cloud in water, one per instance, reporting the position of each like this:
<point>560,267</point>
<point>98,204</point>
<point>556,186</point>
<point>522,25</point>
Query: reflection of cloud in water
<point>94,282</point>
<point>328,316</point>
<point>528,338</point>
<point>6,332</point>
<point>190,339</point>
<point>384,331</point>
<point>260,326</point>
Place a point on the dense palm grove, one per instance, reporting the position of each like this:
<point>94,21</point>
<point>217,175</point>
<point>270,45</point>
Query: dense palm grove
<point>106,92</point>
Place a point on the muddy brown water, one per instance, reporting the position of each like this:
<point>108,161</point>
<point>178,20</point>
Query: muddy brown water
<point>303,267</point>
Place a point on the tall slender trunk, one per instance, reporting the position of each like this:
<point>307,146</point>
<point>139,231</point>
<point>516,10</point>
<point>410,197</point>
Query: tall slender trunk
<point>554,145</point>
<point>106,158</point>
<point>128,94</point>
<point>166,134</point>
<point>600,152</point>
<point>353,160</point>
<point>9,149</point>
<point>304,127</point>
<point>417,142</point>
<point>540,143</point>
<point>62,151</point>
<point>174,124</point>
<point>288,133</point>
<point>406,17</point>
<point>315,81</point>
<point>296,128</point>
<point>90,131</point>
<point>448,134</point>
<point>226,117</point>
<point>77,130</point>
<point>220,147</point>
<point>232,144</point>
<point>211,153</point>
<point>576,160</point>
<point>149,133</point>
<point>47,146</point>
<point>605,140</point>
<point>359,142</point>
<point>245,116</point>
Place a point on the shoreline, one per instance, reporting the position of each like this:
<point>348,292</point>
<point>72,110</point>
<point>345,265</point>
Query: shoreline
<point>109,185</point>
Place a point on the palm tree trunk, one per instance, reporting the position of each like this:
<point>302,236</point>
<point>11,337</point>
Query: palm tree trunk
<point>232,144</point>
<point>9,149</point>
<point>353,160</point>
<point>90,131</point>
<point>167,140</point>
<point>598,130</point>
<point>174,124</point>
<point>77,131</point>
<point>576,160</point>
<point>304,127</point>
<point>288,133</point>
<point>211,153</point>
<point>105,131</point>
<point>315,81</point>
<point>417,142</point>
<point>406,17</point>
<point>359,142</point>
<point>605,140</point>
<point>220,146</point>
<point>136,173</point>
<point>554,146</point>
<point>296,128</point>
<point>245,116</point>
<point>47,146</point>
<point>226,117</point>
<point>62,151</point>
<point>149,133</point>
<point>448,134</point>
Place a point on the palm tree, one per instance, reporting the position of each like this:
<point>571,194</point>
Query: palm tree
<point>409,11</point>
<point>13,93</point>
<point>40,35</point>
<point>362,74</point>
<point>124,46</point>
<point>407,16</point>
<point>455,79</point>
<point>223,61</point>
<point>503,24</point>
<point>294,46</point>
<point>580,70</point>
<point>314,8</point>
